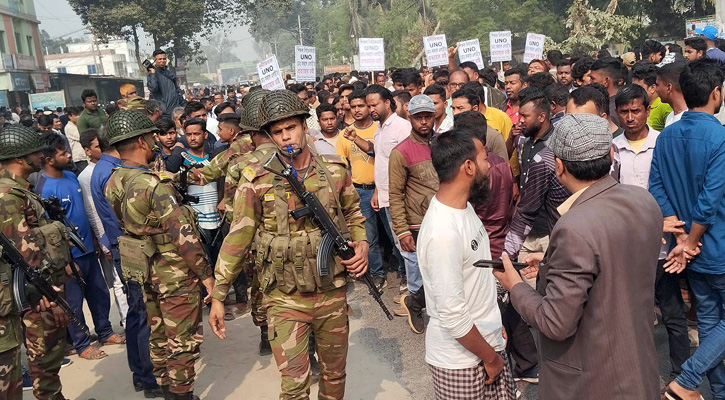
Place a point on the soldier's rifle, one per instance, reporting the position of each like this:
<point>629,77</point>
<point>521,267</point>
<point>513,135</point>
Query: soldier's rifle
<point>183,185</point>
<point>25,277</point>
<point>332,239</point>
<point>58,213</point>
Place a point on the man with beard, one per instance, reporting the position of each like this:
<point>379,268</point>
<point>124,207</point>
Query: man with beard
<point>535,216</point>
<point>413,182</point>
<point>464,342</point>
<point>56,180</point>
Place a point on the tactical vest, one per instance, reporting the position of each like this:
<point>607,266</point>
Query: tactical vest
<point>137,252</point>
<point>289,258</point>
<point>51,236</point>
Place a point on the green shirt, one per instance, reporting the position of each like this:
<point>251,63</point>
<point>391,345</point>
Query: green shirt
<point>89,119</point>
<point>658,114</point>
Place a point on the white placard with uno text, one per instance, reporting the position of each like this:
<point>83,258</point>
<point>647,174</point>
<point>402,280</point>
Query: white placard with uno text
<point>372,54</point>
<point>470,50</point>
<point>269,74</point>
<point>500,46</point>
<point>534,47</point>
<point>304,64</point>
<point>436,50</point>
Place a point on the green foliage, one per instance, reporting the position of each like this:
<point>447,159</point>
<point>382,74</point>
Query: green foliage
<point>54,45</point>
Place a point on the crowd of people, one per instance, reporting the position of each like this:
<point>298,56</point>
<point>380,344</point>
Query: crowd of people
<point>600,176</point>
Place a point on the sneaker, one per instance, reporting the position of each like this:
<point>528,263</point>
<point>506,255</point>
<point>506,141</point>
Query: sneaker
<point>66,362</point>
<point>380,282</point>
<point>396,299</point>
<point>27,381</point>
<point>415,320</point>
<point>401,312</point>
<point>530,376</point>
<point>403,284</point>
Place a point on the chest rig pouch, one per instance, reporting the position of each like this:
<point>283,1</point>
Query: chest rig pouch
<point>290,258</point>
<point>51,236</point>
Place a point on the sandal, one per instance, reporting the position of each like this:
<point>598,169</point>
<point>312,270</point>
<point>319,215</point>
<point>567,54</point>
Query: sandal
<point>92,353</point>
<point>115,339</point>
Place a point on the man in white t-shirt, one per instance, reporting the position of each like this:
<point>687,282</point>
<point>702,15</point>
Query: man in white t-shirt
<point>464,340</point>
<point>668,88</point>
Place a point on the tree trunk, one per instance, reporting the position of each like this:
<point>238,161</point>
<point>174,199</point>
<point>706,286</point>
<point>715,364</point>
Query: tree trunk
<point>136,49</point>
<point>612,7</point>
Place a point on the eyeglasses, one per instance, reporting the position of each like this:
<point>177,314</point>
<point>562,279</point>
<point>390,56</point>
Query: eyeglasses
<point>455,85</point>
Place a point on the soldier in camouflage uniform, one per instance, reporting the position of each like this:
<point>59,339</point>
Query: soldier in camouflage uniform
<point>23,221</point>
<point>299,300</point>
<point>158,227</point>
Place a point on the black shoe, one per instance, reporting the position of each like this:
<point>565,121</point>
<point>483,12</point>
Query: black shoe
<point>264,348</point>
<point>380,283</point>
<point>153,393</point>
<point>166,392</point>
<point>138,387</point>
<point>184,396</point>
<point>415,313</point>
<point>314,366</point>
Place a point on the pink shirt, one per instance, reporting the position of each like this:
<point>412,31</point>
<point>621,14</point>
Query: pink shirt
<point>391,132</point>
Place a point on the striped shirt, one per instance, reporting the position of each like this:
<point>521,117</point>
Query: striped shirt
<point>541,193</point>
<point>206,208</point>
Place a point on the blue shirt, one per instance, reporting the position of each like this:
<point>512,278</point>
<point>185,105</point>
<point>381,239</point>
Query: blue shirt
<point>101,174</point>
<point>68,191</point>
<point>687,178</point>
<point>716,54</point>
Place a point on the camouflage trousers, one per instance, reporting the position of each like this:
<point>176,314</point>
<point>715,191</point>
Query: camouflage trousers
<point>176,337</point>
<point>259,311</point>
<point>291,318</point>
<point>45,342</point>
<point>11,375</point>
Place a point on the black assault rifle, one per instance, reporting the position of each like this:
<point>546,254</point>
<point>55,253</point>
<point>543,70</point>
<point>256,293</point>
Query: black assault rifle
<point>27,281</point>
<point>57,212</point>
<point>332,239</point>
<point>183,185</point>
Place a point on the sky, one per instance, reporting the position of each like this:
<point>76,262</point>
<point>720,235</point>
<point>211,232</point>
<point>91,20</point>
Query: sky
<point>58,19</point>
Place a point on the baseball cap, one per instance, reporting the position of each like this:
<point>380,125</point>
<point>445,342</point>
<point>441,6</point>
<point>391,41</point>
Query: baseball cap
<point>629,59</point>
<point>709,32</point>
<point>581,137</point>
<point>420,103</point>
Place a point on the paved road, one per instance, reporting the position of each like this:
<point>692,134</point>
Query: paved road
<point>385,361</point>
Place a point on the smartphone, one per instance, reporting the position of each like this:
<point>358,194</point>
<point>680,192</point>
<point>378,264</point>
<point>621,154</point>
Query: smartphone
<point>498,264</point>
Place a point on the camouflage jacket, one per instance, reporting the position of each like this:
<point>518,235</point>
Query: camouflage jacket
<point>234,171</point>
<point>16,219</point>
<point>219,165</point>
<point>255,203</point>
<point>154,209</point>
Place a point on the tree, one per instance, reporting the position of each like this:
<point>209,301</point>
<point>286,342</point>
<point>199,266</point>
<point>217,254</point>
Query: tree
<point>54,45</point>
<point>175,24</point>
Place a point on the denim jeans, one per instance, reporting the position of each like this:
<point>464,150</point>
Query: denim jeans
<point>375,254</point>
<point>137,332</point>
<point>412,270</point>
<point>709,290</point>
<point>387,223</point>
<point>98,298</point>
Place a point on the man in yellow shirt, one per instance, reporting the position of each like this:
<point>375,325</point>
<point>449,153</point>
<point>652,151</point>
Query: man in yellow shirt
<point>356,145</point>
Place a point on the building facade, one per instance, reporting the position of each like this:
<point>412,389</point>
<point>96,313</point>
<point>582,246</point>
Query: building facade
<point>115,58</point>
<point>23,68</point>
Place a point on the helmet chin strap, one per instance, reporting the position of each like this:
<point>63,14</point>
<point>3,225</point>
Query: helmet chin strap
<point>32,164</point>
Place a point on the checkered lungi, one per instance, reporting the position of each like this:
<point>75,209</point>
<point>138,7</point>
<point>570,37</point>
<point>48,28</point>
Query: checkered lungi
<point>468,383</point>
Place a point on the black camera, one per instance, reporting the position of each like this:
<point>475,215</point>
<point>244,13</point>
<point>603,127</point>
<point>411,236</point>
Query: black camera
<point>147,64</point>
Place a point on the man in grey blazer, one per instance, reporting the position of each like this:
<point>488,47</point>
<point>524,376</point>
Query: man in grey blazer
<point>592,306</point>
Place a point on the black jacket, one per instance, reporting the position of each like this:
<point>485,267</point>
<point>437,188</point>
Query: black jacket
<point>164,88</point>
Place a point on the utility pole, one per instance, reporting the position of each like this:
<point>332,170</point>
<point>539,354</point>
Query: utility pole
<point>329,50</point>
<point>299,27</point>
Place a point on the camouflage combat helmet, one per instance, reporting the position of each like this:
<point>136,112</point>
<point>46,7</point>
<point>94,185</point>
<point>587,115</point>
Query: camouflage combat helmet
<point>250,109</point>
<point>19,141</point>
<point>279,105</point>
<point>126,124</point>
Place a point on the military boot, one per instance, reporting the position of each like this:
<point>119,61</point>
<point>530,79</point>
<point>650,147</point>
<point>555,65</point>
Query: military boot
<point>167,394</point>
<point>264,348</point>
<point>153,393</point>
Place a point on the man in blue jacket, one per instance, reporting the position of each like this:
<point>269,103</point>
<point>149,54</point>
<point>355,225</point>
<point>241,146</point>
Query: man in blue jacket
<point>163,84</point>
<point>687,178</point>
